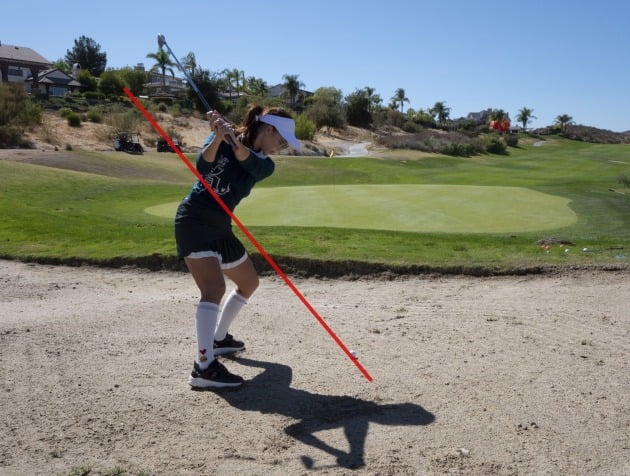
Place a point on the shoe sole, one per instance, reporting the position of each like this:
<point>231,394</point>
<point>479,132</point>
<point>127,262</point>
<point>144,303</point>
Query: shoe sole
<point>203,383</point>
<point>228,350</point>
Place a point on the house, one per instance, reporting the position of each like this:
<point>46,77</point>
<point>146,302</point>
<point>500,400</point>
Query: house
<point>163,85</point>
<point>53,82</point>
<point>279,90</point>
<point>18,63</point>
<point>478,118</point>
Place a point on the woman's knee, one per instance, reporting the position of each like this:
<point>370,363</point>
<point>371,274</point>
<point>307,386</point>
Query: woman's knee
<point>213,293</point>
<point>246,287</point>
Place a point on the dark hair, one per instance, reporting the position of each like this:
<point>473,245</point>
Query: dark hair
<point>248,130</point>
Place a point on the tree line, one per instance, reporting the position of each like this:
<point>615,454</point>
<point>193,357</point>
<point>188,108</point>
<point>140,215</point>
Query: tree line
<point>230,90</point>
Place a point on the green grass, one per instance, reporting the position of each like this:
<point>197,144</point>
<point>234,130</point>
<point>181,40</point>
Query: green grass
<point>562,189</point>
<point>402,207</point>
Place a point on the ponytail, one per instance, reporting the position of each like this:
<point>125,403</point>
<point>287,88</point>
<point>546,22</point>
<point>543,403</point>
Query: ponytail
<point>248,130</point>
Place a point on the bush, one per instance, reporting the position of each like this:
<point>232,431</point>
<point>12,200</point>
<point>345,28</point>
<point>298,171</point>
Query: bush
<point>89,81</point>
<point>65,112</point>
<point>494,145</point>
<point>94,116</point>
<point>74,120</point>
<point>428,140</point>
<point>17,112</point>
<point>120,120</point>
<point>9,136</point>
<point>110,83</point>
<point>304,128</point>
<point>411,127</point>
<point>93,96</point>
<point>511,140</point>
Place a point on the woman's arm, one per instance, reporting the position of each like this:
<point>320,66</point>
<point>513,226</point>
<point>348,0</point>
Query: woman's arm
<point>210,149</point>
<point>222,131</point>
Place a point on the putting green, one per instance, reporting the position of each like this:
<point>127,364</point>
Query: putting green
<point>416,208</point>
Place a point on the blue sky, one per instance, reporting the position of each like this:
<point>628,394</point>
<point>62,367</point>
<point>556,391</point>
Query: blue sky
<point>552,56</point>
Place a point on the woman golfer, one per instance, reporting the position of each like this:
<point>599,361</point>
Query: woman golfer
<point>231,163</point>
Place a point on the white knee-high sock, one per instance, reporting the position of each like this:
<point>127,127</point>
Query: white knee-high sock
<point>231,307</point>
<point>206,320</point>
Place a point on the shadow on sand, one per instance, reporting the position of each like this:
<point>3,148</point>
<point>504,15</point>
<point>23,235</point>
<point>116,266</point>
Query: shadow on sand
<point>271,392</point>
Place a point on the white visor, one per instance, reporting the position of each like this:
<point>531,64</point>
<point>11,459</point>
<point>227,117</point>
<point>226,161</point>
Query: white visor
<point>284,126</point>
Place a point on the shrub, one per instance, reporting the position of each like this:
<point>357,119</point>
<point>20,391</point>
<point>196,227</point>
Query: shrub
<point>410,126</point>
<point>174,135</point>
<point>65,112</point>
<point>176,110</point>
<point>94,116</point>
<point>110,83</point>
<point>9,136</point>
<point>74,120</point>
<point>123,121</point>
<point>17,112</point>
<point>494,145</point>
<point>93,96</point>
<point>511,140</point>
<point>30,114</point>
<point>89,81</point>
<point>304,128</point>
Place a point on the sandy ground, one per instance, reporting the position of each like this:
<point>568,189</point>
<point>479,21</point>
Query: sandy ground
<point>56,133</point>
<point>474,376</point>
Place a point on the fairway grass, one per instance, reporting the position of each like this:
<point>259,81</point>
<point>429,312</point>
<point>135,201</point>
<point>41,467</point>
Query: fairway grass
<point>411,208</point>
<point>426,211</point>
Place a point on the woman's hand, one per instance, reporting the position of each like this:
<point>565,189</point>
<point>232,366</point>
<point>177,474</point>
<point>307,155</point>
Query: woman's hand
<point>222,128</point>
<point>225,132</point>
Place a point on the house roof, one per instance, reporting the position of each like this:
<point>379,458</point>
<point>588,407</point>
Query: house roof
<point>280,89</point>
<point>55,76</point>
<point>21,54</point>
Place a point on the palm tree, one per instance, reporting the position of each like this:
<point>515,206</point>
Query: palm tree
<point>399,98</point>
<point>498,115</point>
<point>440,110</point>
<point>563,120</point>
<point>524,116</point>
<point>292,86</point>
<point>163,63</point>
<point>256,86</point>
<point>233,78</point>
<point>189,62</point>
<point>374,100</point>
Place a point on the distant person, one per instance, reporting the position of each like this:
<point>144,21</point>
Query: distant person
<point>204,236</point>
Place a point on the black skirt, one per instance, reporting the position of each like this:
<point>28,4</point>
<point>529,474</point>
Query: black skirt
<point>206,232</point>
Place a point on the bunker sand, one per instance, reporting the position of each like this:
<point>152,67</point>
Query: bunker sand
<point>502,375</point>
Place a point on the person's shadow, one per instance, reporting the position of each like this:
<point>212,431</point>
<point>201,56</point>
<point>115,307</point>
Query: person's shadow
<point>271,392</point>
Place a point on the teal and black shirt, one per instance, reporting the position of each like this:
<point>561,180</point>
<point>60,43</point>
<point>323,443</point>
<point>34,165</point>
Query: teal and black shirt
<point>230,178</point>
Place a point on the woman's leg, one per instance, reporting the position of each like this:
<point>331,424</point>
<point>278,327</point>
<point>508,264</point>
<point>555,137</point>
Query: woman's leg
<point>208,275</point>
<point>209,278</point>
<point>207,371</point>
<point>246,279</point>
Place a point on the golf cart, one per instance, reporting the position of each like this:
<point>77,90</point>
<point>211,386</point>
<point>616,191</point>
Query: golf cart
<point>163,146</point>
<point>128,142</point>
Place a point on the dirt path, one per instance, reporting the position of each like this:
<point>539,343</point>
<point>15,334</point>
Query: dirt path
<point>498,376</point>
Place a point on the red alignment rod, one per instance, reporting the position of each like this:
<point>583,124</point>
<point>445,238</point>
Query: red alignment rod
<point>247,233</point>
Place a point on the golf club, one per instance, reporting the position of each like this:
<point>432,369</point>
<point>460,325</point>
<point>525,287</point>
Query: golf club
<point>161,43</point>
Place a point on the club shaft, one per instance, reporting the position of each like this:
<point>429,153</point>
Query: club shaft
<point>190,80</point>
<point>162,41</point>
